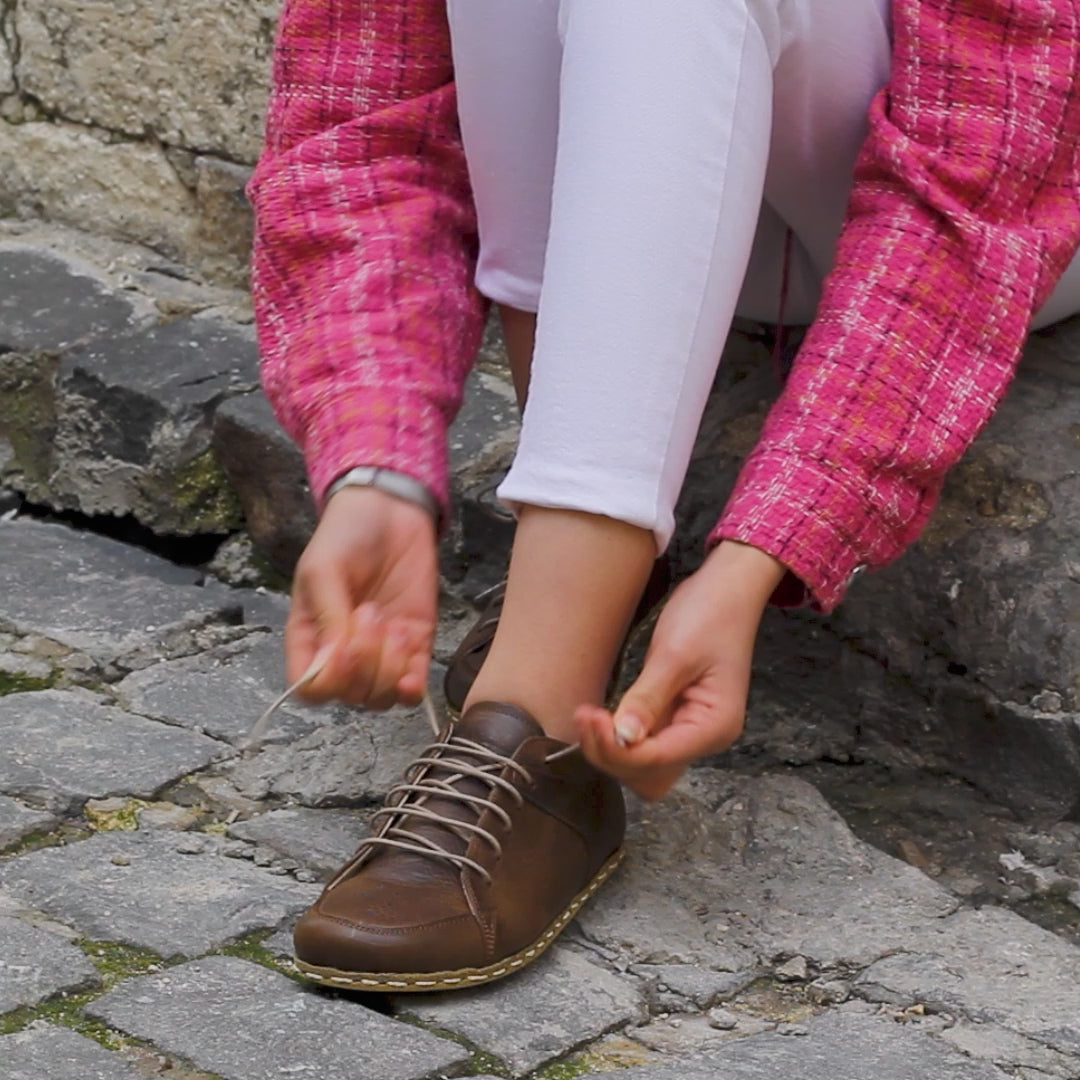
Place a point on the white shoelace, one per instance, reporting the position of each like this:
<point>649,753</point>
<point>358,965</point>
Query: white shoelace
<point>412,795</point>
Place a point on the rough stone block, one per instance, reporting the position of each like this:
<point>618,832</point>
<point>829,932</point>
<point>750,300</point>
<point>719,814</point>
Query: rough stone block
<point>17,821</point>
<point>138,888</point>
<point>35,964</point>
<point>45,1052</point>
<point>133,421</point>
<point>67,748</point>
<point>51,301</point>
<point>193,75</point>
<point>7,68</point>
<point>764,870</point>
<point>990,966</point>
<point>109,600</point>
<point>345,764</point>
<point>243,1022</point>
<point>69,174</point>
<point>226,226</point>
<point>559,1003</point>
<point>222,691</point>
<point>838,1046</point>
<point>320,840</point>
<point>268,474</point>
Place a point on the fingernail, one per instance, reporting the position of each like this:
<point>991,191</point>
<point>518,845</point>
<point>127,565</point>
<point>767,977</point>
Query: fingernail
<point>629,730</point>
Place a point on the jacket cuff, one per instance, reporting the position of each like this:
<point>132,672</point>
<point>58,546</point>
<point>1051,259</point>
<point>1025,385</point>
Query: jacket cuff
<point>806,517</point>
<point>345,432</point>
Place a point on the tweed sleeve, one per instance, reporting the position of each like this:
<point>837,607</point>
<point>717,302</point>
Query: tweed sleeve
<point>365,241</point>
<point>963,215</point>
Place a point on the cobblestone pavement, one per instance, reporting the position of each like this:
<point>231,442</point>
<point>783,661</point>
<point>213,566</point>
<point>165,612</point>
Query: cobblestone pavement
<point>153,872</point>
<point>823,921</point>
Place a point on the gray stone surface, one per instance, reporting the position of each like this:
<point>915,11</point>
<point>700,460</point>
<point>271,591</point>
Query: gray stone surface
<point>763,870</point>
<point>267,473</point>
<point>557,1004</point>
<point>192,75</point>
<point>153,896</point>
<point>46,1052</point>
<point>35,964</point>
<point>682,988</point>
<point>67,748</point>
<point>244,1022</point>
<point>127,189</point>
<point>842,1046</point>
<point>990,966</point>
<point>107,599</point>
<point>133,425</point>
<point>51,301</point>
<point>222,691</point>
<point>320,840</point>
<point>17,821</point>
<point>353,763</point>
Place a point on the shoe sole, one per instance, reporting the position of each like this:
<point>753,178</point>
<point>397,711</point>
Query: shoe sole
<point>425,982</point>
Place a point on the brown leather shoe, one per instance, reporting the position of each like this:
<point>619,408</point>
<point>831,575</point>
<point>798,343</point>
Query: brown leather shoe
<point>477,861</point>
<point>469,658</point>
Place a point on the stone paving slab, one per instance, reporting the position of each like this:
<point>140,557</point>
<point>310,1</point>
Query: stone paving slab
<point>137,888</point>
<point>17,821</point>
<point>223,691</point>
<point>991,966</point>
<point>762,870</point>
<point>244,1022</point>
<point>45,1052</point>
<point>35,964</point>
<point>845,1045</point>
<point>50,302</point>
<point>559,1003</point>
<point>99,596</point>
<point>351,763</point>
<point>66,748</point>
<point>320,840</point>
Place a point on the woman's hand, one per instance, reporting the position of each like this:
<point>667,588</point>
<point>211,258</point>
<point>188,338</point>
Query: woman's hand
<point>690,699</point>
<point>364,601</point>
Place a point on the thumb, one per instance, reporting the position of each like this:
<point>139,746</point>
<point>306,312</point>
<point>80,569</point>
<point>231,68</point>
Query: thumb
<point>321,616</point>
<point>648,703</point>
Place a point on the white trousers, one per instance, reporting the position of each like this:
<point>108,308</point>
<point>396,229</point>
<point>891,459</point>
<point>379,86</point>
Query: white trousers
<point>636,165</point>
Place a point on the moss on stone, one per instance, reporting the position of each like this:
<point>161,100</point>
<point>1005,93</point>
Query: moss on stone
<point>115,961</point>
<point>28,416</point>
<point>65,833</point>
<point>123,818</point>
<point>202,499</point>
<point>565,1070</point>
<point>14,682</point>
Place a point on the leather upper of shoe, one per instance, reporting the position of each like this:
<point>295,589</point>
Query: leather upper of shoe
<point>493,833</point>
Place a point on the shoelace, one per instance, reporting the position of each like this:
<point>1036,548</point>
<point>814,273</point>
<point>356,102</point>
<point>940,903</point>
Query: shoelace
<point>418,788</point>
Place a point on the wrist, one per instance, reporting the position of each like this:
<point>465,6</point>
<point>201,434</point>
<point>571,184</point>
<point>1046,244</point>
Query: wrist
<point>390,482</point>
<point>374,504</point>
<point>748,572</point>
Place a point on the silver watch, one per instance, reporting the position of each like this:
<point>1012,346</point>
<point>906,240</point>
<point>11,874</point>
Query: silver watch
<point>393,483</point>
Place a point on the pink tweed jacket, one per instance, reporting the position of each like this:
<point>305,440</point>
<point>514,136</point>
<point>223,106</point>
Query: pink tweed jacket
<point>965,211</point>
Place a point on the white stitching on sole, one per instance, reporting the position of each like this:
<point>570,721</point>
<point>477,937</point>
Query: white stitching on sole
<point>484,975</point>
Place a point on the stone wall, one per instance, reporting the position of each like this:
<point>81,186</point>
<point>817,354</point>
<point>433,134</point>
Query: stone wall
<point>140,121</point>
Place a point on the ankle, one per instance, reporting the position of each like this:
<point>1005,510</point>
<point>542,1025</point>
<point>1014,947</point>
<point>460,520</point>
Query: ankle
<point>555,717</point>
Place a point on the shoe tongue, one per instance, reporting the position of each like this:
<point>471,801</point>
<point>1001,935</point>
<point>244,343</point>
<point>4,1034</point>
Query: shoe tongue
<point>501,727</point>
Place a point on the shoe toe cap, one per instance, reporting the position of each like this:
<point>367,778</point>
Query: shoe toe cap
<point>364,945</point>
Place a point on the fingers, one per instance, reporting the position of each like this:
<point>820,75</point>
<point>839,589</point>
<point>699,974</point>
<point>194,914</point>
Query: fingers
<point>648,704</point>
<point>365,656</point>
<point>699,726</point>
